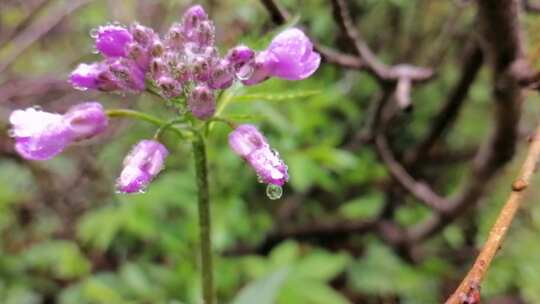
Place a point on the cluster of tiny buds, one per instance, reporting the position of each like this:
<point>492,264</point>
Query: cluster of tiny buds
<point>186,61</point>
<point>183,63</point>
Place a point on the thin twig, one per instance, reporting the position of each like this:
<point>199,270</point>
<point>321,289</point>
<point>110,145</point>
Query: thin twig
<point>499,26</point>
<point>471,283</point>
<point>448,114</point>
<point>402,72</point>
<point>421,191</point>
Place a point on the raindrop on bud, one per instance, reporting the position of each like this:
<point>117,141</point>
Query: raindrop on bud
<point>274,192</point>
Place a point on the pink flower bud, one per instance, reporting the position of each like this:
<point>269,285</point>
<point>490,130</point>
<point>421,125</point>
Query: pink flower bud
<point>41,135</point>
<point>86,120</point>
<point>250,144</point>
<point>95,76</point>
<point>141,166</point>
<point>201,102</point>
<point>221,75</point>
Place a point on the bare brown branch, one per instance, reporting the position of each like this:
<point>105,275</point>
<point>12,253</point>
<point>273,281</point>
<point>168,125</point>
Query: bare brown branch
<point>498,232</point>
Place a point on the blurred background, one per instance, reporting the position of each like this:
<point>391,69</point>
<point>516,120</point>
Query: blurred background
<point>67,237</point>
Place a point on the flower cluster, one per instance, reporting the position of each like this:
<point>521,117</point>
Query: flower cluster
<point>183,65</point>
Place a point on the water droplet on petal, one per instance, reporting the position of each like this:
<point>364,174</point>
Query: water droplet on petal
<point>94,33</point>
<point>274,192</point>
<point>245,72</point>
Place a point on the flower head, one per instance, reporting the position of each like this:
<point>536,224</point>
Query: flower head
<point>141,166</point>
<point>250,144</point>
<point>112,40</point>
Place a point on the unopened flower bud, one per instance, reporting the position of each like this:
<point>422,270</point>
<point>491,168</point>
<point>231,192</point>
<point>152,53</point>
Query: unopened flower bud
<point>93,76</point>
<point>129,76</point>
<point>86,120</point>
<point>251,145</point>
<point>260,69</point>
<point>169,87</point>
<point>143,35</point>
<point>245,139</point>
<point>38,135</point>
<point>141,166</point>
<point>201,68</point>
<point>193,17</point>
<point>222,75</point>
<point>202,102</point>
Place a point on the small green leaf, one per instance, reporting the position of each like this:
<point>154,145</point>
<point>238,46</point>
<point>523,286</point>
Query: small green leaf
<point>264,290</point>
<point>321,265</point>
<point>299,290</point>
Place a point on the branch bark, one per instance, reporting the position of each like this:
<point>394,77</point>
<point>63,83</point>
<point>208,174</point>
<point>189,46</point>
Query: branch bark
<point>471,283</point>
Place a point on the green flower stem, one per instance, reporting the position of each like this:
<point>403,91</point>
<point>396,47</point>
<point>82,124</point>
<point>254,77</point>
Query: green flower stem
<point>199,153</point>
<point>145,117</point>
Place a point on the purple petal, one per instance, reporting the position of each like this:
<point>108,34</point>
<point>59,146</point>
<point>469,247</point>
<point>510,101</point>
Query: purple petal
<point>112,40</point>
<point>245,139</point>
<point>86,120</point>
<point>39,135</point>
<point>291,56</point>
<point>269,167</point>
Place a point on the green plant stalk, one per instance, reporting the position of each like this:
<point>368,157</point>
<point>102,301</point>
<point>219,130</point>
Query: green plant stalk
<point>201,170</point>
<point>148,118</point>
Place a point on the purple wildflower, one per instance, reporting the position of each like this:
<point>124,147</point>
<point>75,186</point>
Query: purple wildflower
<point>38,135</point>
<point>141,166</point>
<point>291,55</point>
<point>250,144</point>
<point>112,40</point>
<point>41,135</point>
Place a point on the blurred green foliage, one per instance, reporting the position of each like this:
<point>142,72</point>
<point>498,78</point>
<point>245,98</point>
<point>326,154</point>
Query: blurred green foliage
<point>143,248</point>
